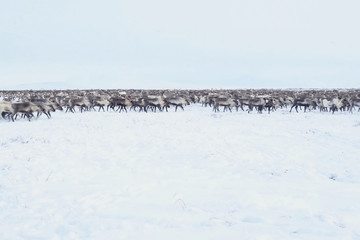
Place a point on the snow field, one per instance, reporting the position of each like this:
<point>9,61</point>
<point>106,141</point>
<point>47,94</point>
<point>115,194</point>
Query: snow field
<point>192,174</point>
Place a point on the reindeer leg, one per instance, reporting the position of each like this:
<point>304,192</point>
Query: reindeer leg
<point>47,115</point>
<point>28,116</point>
<point>292,107</point>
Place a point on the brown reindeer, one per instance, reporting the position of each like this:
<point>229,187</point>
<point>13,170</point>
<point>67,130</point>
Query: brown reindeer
<point>307,103</point>
<point>6,110</point>
<point>121,102</point>
<point>138,103</point>
<point>227,103</point>
<point>177,102</point>
<point>83,103</point>
<point>46,105</point>
<point>26,109</point>
<point>156,102</point>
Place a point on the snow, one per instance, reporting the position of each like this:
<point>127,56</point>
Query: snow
<point>191,174</point>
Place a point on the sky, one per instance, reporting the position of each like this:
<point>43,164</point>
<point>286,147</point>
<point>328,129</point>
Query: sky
<point>179,44</point>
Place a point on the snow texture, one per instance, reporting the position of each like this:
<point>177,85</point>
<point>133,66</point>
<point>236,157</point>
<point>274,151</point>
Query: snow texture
<point>190,174</point>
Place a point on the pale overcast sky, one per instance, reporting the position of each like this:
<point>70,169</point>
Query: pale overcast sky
<point>179,44</point>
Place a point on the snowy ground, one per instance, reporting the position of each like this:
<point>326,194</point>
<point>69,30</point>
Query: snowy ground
<point>192,174</point>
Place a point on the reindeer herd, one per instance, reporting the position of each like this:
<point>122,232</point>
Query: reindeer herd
<point>32,104</point>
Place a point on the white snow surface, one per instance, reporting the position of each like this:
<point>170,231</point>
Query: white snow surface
<point>191,174</point>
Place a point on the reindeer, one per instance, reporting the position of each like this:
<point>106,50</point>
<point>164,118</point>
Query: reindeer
<point>303,102</point>
<point>6,110</point>
<point>83,103</point>
<point>355,102</point>
<point>66,102</point>
<point>285,101</point>
<point>324,104</point>
<point>46,105</point>
<point>339,104</point>
<point>272,104</point>
<point>138,103</point>
<point>209,98</point>
<point>156,102</point>
<point>101,103</point>
<point>177,102</point>
<point>227,103</point>
<point>56,105</point>
<point>121,102</point>
<point>26,108</point>
<point>241,102</point>
<point>257,103</point>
